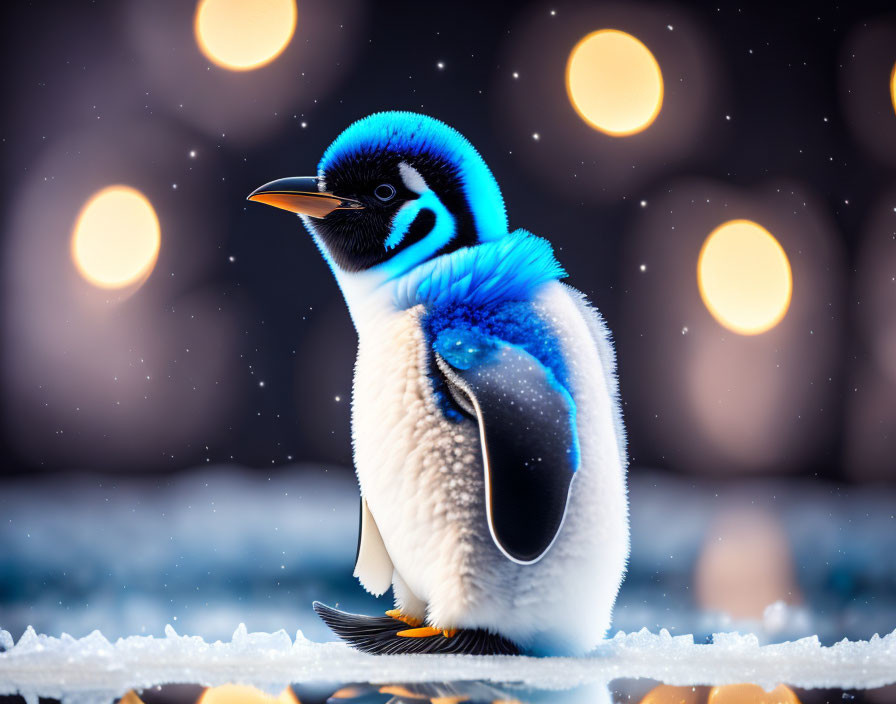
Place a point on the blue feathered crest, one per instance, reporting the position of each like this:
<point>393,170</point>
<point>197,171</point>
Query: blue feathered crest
<point>409,134</point>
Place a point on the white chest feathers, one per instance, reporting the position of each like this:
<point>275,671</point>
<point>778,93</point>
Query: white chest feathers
<point>422,478</point>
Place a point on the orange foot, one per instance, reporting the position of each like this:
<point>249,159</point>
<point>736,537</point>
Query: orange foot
<point>410,620</point>
<point>426,632</point>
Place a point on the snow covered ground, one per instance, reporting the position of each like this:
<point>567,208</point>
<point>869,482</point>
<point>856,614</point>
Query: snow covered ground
<point>92,669</point>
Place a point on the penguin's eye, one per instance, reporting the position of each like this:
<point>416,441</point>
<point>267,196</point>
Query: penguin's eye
<point>385,192</point>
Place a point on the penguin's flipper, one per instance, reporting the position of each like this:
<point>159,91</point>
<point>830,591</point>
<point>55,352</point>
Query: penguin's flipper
<point>527,428</point>
<point>380,635</point>
<point>373,566</point>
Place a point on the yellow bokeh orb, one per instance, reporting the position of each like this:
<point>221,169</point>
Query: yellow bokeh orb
<point>116,238</point>
<point>893,87</point>
<point>744,277</point>
<point>667,694</point>
<point>244,694</point>
<point>614,82</point>
<point>241,35</point>
<point>751,694</point>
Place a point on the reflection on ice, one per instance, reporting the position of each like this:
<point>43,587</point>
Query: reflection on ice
<point>244,694</point>
<point>476,692</point>
<point>469,692</point>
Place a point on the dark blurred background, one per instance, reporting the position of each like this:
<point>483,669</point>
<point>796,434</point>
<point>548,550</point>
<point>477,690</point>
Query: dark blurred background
<point>233,350</point>
<point>237,347</point>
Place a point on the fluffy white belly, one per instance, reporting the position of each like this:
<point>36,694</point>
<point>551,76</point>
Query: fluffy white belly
<point>422,478</point>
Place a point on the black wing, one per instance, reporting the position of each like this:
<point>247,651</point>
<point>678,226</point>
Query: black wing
<point>530,446</point>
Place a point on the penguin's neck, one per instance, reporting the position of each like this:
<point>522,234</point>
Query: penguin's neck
<point>369,303</point>
<point>509,268</point>
<point>367,299</point>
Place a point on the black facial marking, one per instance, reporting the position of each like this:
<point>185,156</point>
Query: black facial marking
<point>356,238</point>
<point>420,228</point>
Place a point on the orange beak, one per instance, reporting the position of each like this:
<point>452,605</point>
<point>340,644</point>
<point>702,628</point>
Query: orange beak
<point>301,195</point>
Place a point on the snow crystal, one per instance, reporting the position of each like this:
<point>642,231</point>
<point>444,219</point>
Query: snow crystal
<point>91,669</point>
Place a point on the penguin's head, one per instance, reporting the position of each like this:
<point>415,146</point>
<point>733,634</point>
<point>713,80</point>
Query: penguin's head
<point>394,190</point>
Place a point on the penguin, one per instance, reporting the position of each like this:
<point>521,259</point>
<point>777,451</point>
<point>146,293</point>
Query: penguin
<point>486,424</point>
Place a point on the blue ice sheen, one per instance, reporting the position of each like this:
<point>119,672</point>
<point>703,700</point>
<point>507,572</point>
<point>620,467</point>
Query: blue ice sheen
<point>482,327</point>
<point>463,349</point>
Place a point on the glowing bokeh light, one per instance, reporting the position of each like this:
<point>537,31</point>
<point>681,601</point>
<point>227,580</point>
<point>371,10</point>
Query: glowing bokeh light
<point>241,35</point>
<point>130,698</point>
<point>751,694</point>
<point>893,87</point>
<point>744,277</point>
<point>614,82</point>
<point>243,694</point>
<point>349,692</point>
<point>668,694</point>
<point>744,565</point>
<point>116,238</point>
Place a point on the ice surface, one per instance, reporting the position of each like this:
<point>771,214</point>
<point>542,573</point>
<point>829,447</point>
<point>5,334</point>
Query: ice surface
<point>219,547</point>
<point>216,547</point>
<point>91,669</point>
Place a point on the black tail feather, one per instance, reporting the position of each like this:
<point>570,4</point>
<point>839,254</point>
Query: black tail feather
<point>379,635</point>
